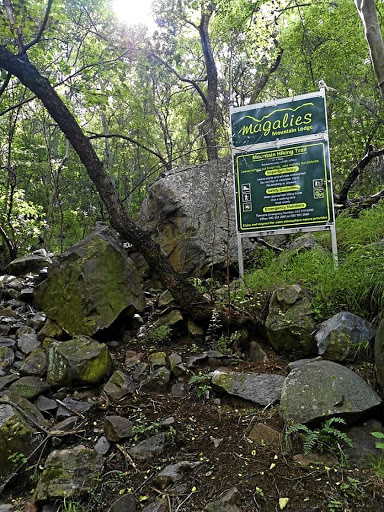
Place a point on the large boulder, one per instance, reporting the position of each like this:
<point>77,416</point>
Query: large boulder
<point>67,473</point>
<point>343,336</point>
<point>18,437</point>
<point>321,389</point>
<point>190,213</point>
<point>90,285</point>
<point>80,361</point>
<point>29,263</point>
<point>290,324</point>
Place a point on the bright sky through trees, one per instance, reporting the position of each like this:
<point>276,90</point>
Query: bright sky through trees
<point>134,12</point>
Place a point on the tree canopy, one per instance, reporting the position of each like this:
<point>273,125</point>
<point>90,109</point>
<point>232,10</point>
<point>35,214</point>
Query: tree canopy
<point>151,101</point>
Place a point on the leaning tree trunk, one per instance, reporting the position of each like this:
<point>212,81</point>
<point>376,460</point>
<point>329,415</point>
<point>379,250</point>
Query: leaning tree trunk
<point>184,293</point>
<point>368,14</point>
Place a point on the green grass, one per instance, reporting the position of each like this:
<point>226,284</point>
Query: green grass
<point>357,285</point>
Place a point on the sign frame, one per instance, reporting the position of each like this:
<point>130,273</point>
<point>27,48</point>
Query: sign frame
<point>287,109</point>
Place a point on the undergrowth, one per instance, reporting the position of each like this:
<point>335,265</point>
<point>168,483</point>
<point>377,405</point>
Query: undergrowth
<point>356,285</point>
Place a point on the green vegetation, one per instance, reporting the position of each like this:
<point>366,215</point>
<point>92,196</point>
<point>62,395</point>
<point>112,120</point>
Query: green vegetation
<point>327,438</point>
<point>356,285</point>
<point>160,334</point>
<point>202,383</point>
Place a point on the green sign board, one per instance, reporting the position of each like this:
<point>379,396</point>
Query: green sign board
<point>284,119</point>
<point>283,187</point>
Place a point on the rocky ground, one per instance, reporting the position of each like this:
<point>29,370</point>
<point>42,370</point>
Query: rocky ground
<point>159,436</point>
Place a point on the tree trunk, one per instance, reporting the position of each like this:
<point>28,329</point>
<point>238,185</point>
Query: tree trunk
<point>368,14</point>
<point>184,293</point>
<point>210,135</point>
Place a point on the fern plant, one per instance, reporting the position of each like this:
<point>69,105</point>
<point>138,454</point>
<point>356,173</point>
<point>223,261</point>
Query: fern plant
<point>325,438</point>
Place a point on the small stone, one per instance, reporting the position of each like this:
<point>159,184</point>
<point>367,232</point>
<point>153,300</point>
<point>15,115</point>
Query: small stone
<point>126,503</point>
<point>73,406</point>
<point>178,389</point>
<point>315,459</point>
<point>157,359</point>
<point>256,353</point>
<point>117,428</point>
<point>7,380</point>
<point>173,473</point>
<point>157,381</point>
<point>6,507</point>
<point>45,404</point>
<point>149,448</point>
<point>119,385</point>
<point>132,358</point>
<point>29,387</point>
<point>28,342</point>
<point>102,446</point>
<point>7,357</point>
<point>194,329</point>
<point>157,506</point>
<point>264,435</point>
<point>177,367</point>
<point>35,364</point>
<point>137,321</point>
<point>165,298</point>
<point>141,372</point>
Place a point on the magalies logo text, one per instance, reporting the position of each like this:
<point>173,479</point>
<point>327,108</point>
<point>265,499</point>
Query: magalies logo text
<point>289,120</point>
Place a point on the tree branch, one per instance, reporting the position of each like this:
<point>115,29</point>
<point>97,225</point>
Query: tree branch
<point>133,141</point>
<point>272,68</point>
<point>356,171</point>
<point>41,29</point>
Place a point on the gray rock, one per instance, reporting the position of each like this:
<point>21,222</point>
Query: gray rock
<point>342,336</point>
<point>7,357</point>
<point>262,389</point>
<point>157,381</point>
<point>303,242</point>
<point>69,407</point>
<point>165,298</point>
<point>119,385</point>
<point>17,436</point>
<point>45,404</point>
<point>7,507</point>
<point>30,263</point>
<point>141,372</point>
<point>149,448</point>
<point>29,387</point>
<point>7,380</point>
<point>100,283</point>
<point>170,319</point>
<point>176,364</point>
<point>7,342</point>
<point>256,353</point>
<point>228,503</point>
<point>117,428</point>
<point>35,364</point>
<point>363,448</point>
<point>102,446</point>
<point>290,324</point>
<point>28,342</point>
<point>26,294</point>
<point>68,473</point>
<point>178,389</point>
<point>157,359</point>
<point>173,473</point>
<point>81,361</point>
<point>321,389</point>
<point>188,216</point>
<point>379,354</point>
<point>37,321</point>
<point>126,503</point>
<point>301,362</point>
<point>157,506</point>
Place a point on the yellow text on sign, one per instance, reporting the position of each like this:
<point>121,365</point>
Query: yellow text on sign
<point>284,207</point>
<point>285,170</point>
<point>280,190</point>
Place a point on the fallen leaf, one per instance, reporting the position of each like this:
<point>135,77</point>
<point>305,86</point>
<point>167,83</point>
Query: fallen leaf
<point>283,503</point>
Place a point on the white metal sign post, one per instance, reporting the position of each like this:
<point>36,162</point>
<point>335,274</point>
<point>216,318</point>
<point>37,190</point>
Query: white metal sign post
<point>282,170</point>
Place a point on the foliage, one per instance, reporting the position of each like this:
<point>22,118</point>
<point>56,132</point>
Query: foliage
<point>161,334</point>
<point>378,435</point>
<point>70,506</point>
<point>202,384</point>
<point>356,285</point>
<point>325,438</point>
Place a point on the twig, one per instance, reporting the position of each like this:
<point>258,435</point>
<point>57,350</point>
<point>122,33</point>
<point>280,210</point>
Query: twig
<point>127,456</point>
<point>70,409</point>
<point>184,501</point>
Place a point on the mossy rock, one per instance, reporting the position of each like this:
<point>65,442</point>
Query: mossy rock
<point>91,285</point>
<point>80,361</point>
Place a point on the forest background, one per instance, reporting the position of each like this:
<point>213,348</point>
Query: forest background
<point>152,101</point>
